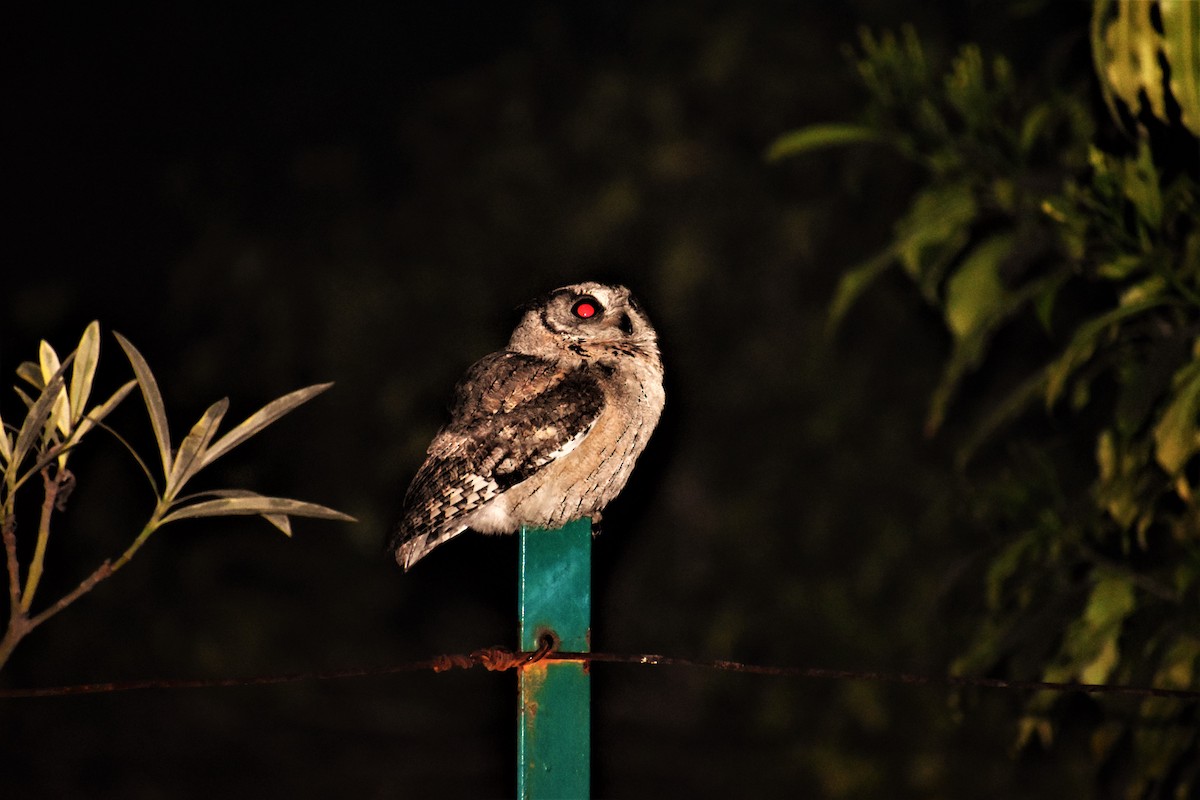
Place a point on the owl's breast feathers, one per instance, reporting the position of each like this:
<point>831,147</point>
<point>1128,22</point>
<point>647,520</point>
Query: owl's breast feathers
<point>513,414</point>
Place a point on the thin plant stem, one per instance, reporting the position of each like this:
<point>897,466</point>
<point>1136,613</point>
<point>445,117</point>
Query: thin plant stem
<point>18,623</point>
<point>17,628</point>
<point>51,486</point>
<point>150,528</point>
<point>85,586</point>
<point>10,553</point>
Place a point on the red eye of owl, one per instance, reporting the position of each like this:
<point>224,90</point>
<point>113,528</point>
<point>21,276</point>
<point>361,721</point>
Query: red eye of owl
<point>585,308</point>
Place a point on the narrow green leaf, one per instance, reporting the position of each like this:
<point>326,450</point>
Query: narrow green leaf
<point>1128,57</point>
<point>1111,601</point>
<point>1105,661</point>
<point>1030,727</point>
<point>1033,125</point>
<point>1177,434</point>
<point>1122,466</point>
<point>280,521</point>
<point>191,449</point>
<point>818,137</point>
<point>1181,46</point>
<point>934,231</point>
<point>60,414</point>
<point>5,444</point>
<point>1090,649</point>
<point>191,498</point>
<point>26,399</point>
<point>1179,664</point>
<point>47,361</point>
<point>1140,183</point>
<point>1006,564</point>
<point>87,356</point>
<point>1084,343</point>
<point>35,420</point>
<point>1121,267</point>
<point>101,411</point>
<point>31,373</point>
<point>1043,306</point>
<point>1106,455</point>
<point>261,419</point>
<point>154,401</point>
<point>975,293</point>
<point>235,506</point>
<point>966,356</point>
<point>854,283</point>
<point>1100,55</point>
<point>976,306</point>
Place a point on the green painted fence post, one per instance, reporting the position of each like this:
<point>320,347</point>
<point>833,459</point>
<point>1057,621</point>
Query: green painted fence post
<point>554,733</point>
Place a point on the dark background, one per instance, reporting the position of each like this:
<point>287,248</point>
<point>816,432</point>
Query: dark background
<point>260,201</point>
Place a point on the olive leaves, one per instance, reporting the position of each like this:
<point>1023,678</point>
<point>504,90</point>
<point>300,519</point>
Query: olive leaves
<point>56,421</point>
<point>201,447</point>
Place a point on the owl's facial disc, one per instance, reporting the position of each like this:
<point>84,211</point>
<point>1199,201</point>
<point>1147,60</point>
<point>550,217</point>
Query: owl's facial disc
<point>583,315</point>
<point>599,313</point>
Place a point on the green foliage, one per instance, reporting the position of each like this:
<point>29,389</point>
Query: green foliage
<point>816,137</point>
<point>56,423</point>
<point>1127,48</point>
<point>1024,218</point>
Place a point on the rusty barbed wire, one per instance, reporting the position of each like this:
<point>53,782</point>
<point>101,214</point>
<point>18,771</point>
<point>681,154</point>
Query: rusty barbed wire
<point>500,659</point>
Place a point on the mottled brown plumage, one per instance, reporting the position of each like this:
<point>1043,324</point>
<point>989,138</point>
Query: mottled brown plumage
<point>545,431</point>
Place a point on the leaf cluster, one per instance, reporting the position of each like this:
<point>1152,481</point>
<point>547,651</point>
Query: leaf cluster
<point>1023,220</point>
<point>56,421</point>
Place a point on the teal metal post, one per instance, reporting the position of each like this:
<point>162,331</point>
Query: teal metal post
<point>554,734</point>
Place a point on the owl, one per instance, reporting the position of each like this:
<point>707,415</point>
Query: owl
<point>544,431</point>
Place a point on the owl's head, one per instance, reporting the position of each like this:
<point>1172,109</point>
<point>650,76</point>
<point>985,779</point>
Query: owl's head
<point>587,320</point>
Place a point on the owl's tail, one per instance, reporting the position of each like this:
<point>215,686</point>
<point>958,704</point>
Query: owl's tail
<point>411,545</point>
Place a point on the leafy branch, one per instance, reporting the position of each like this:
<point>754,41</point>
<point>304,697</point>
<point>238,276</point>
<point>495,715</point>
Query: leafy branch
<point>55,424</point>
<point>1024,218</point>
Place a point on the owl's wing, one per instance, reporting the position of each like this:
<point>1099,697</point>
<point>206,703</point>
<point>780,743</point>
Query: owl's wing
<point>513,415</point>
